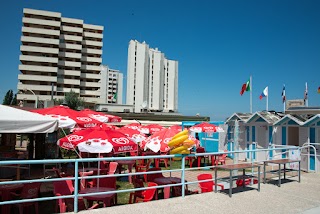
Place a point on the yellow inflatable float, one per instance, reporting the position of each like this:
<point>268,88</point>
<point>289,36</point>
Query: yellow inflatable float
<point>180,144</point>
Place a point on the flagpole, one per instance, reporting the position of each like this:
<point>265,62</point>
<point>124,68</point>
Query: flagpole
<point>251,94</point>
<point>306,94</point>
<point>267,99</point>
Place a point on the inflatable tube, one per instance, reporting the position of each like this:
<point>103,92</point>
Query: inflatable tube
<point>185,152</point>
<point>177,141</point>
<point>188,143</point>
<point>180,134</point>
<point>178,150</point>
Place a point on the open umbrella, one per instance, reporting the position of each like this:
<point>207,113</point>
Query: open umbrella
<point>134,134</point>
<point>97,140</point>
<point>68,118</point>
<point>101,116</point>
<point>151,128</point>
<point>133,126</point>
<point>205,127</point>
<point>178,127</point>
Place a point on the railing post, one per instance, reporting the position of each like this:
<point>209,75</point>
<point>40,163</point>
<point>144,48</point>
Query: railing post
<point>183,175</point>
<point>76,186</point>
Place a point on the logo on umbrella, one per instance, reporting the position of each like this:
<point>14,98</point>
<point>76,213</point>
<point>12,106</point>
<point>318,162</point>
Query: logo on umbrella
<point>75,138</point>
<point>120,140</point>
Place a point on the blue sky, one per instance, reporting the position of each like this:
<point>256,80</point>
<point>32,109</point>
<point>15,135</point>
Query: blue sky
<point>218,44</point>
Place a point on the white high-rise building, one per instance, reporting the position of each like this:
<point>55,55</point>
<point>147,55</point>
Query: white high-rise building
<point>152,83</point>
<point>58,55</point>
<point>112,90</point>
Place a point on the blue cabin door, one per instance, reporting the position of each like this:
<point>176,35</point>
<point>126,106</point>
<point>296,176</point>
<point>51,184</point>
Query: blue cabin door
<point>312,165</point>
<point>284,140</point>
<point>254,144</point>
<point>270,142</point>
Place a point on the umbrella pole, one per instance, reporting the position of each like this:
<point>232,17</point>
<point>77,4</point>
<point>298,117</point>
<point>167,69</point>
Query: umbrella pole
<point>98,171</point>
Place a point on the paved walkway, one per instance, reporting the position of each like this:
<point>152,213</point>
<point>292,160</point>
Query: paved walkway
<point>291,197</point>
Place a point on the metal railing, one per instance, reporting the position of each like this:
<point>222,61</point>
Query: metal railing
<point>78,162</point>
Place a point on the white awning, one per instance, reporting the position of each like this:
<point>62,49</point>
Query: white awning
<point>13,120</point>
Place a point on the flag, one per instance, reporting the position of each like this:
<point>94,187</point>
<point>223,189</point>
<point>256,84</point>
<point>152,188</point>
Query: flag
<point>264,93</point>
<point>283,94</point>
<point>115,97</point>
<point>306,93</point>
<point>319,90</point>
<point>245,87</point>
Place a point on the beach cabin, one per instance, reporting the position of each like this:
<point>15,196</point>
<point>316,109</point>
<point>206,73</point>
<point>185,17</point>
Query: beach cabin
<point>260,134</point>
<point>311,154</point>
<point>291,133</point>
<point>241,134</point>
<point>210,141</point>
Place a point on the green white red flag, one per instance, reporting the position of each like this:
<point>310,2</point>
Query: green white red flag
<point>245,87</point>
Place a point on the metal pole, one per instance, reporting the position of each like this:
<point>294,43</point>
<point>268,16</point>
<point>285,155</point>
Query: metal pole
<point>183,176</point>
<point>76,186</point>
<point>250,94</point>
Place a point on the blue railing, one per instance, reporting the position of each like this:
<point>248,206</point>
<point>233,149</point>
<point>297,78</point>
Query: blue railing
<point>76,177</point>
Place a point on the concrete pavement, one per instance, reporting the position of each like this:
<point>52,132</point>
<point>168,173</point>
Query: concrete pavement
<point>291,197</point>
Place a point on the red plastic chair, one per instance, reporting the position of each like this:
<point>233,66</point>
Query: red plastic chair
<point>247,182</point>
<point>29,191</point>
<point>207,186</point>
<point>85,182</point>
<point>164,160</point>
<point>142,167</point>
<point>137,183</point>
<point>66,188</point>
<point>112,167</point>
<point>148,194</point>
<point>221,159</point>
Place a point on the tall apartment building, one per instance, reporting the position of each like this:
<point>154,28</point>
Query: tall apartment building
<point>112,90</point>
<point>58,55</point>
<point>152,83</point>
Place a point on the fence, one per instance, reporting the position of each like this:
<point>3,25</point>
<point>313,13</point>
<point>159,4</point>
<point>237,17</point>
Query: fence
<point>78,162</point>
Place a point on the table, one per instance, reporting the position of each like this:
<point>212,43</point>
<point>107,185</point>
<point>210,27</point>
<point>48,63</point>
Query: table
<point>232,167</point>
<point>106,198</point>
<point>129,163</point>
<point>5,190</point>
<point>166,181</point>
<point>279,162</point>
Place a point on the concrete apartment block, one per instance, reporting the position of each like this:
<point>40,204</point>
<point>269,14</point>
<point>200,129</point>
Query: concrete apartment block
<point>59,54</point>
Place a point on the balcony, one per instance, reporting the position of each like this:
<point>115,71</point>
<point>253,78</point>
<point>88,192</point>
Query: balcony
<point>72,29</point>
<point>90,76</point>
<point>70,55</point>
<point>93,35</point>
<point>34,87</point>
<point>26,48</point>
<point>92,43</point>
<point>70,72</point>
<point>38,68</point>
<point>41,22</point>
<point>91,59</point>
<point>67,90</point>
<point>69,63</point>
<point>71,38</point>
<point>40,31</point>
<point>91,67</point>
<point>90,84</point>
<point>39,40</point>
<point>68,81</point>
<point>92,51</point>
<point>70,46</point>
<point>29,58</point>
<point>90,93</point>
<point>38,78</point>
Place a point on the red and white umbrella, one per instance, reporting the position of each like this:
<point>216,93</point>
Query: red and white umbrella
<point>205,127</point>
<point>98,141</point>
<point>151,128</point>
<point>101,116</point>
<point>133,126</point>
<point>68,118</point>
<point>178,127</point>
<point>134,134</point>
